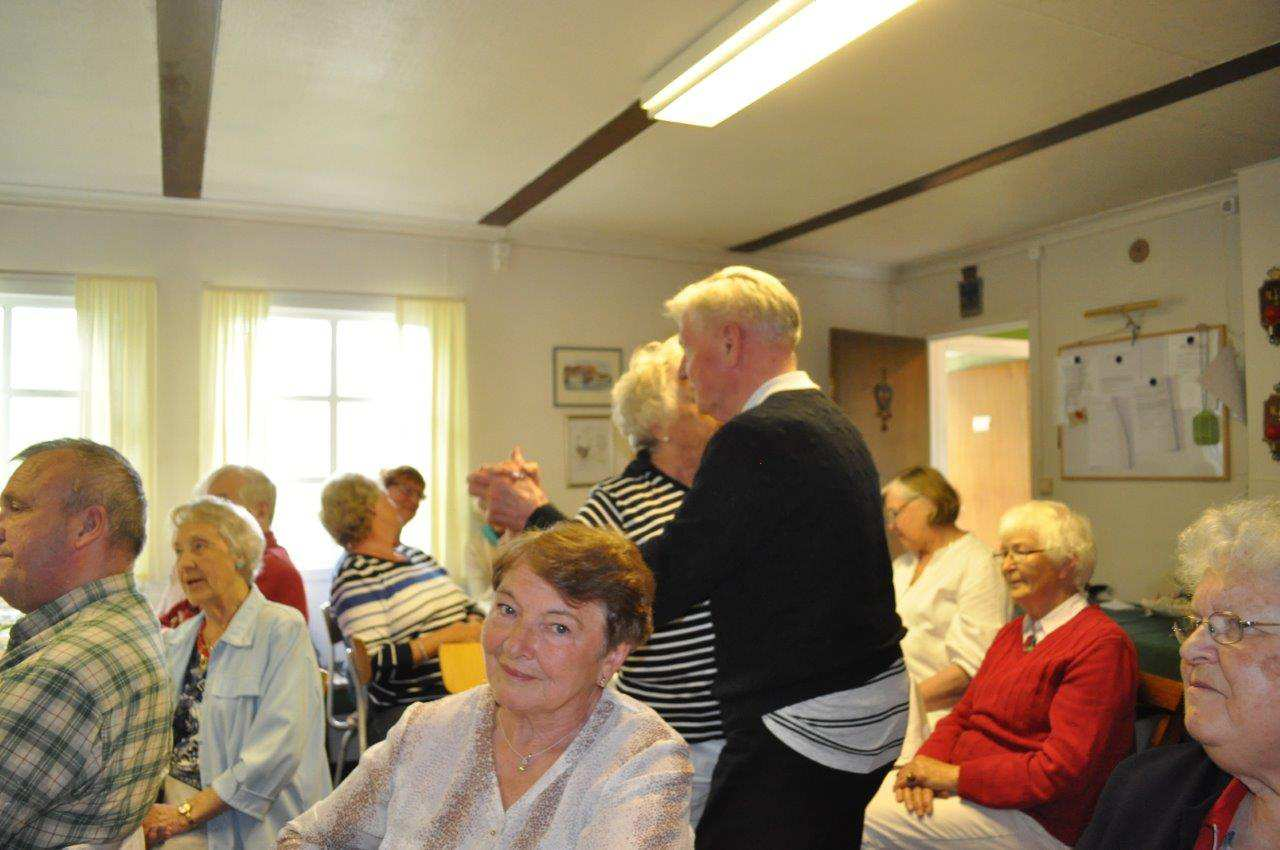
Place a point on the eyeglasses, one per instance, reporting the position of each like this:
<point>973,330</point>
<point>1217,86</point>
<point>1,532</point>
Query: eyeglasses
<point>998,556</point>
<point>1224,627</point>
<point>891,514</point>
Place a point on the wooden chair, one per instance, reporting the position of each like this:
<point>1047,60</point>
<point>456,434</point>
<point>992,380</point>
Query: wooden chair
<point>462,665</point>
<point>1161,696</point>
<point>353,725</point>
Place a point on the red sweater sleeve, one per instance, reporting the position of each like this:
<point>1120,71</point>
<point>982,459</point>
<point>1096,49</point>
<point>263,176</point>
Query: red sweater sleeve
<point>281,582</point>
<point>1095,695</point>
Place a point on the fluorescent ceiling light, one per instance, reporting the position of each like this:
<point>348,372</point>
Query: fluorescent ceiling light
<point>754,50</point>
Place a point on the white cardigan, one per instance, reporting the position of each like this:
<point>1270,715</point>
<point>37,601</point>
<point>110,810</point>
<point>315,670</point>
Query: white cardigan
<point>623,782</point>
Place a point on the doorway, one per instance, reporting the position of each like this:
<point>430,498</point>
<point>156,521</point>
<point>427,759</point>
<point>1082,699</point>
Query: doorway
<point>980,422</point>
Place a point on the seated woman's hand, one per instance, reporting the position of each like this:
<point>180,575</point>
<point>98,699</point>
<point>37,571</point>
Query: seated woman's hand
<point>922,779</point>
<point>163,822</point>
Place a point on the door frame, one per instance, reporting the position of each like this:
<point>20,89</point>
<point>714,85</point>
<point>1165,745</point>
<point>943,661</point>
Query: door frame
<point>1021,348</point>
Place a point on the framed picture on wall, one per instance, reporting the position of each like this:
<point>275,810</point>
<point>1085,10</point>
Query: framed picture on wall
<point>583,377</point>
<point>588,448</point>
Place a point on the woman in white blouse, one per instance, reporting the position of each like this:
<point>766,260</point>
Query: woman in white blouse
<point>544,755</point>
<point>950,595</point>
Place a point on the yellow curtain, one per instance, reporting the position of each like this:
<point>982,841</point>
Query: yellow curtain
<point>446,324</point>
<point>232,404</point>
<point>116,318</point>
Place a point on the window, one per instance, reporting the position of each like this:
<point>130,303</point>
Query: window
<point>344,389</point>
<point>39,370</point>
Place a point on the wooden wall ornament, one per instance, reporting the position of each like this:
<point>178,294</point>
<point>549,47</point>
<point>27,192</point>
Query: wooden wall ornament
<point>1271,422</point>
<point>1269,305</point>
<point>883,394</point>
<point>1139,250</point>
<point>970,292</point>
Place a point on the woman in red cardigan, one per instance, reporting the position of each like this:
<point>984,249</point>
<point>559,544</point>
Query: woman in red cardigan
<point>1020,761</point>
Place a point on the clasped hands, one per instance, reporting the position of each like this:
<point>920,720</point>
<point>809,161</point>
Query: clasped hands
<point>509,492</point>
<point>163,822</point>
<point>923,778</point>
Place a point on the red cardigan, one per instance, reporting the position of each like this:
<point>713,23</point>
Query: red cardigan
<point>1042,730</point>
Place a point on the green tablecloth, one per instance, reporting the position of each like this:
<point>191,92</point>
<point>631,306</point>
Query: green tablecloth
<point>1152,635</point>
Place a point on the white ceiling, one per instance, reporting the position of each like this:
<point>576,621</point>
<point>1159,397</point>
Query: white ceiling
<point>443,109</point>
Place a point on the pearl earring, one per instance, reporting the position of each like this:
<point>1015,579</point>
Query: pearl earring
<point>602,681</point>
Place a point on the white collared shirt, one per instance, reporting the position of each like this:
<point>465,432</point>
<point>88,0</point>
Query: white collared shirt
<point>1059,616</point>
<point>787,381</point>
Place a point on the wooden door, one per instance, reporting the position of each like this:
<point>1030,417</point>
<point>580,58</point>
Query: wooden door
<point>988,443</point>
<point>858,362</point>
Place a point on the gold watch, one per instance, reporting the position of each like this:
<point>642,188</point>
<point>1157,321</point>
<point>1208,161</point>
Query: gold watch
<point>184,809</point>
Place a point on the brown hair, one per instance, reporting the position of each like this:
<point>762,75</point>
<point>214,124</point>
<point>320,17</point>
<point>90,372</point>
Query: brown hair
<point>928,482</point>
<point>346,507</point>
<point>402,473</point>
<point>586,564</point>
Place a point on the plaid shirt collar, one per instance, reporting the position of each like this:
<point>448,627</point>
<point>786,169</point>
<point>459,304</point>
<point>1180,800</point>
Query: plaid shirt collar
<point>51,613</point>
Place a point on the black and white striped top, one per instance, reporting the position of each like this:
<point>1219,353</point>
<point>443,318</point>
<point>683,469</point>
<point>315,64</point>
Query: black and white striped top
<point>389,603</point>
<point>674,670</point>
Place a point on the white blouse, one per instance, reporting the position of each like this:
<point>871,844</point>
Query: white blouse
<point>623,782</point>
<point>951,613</point>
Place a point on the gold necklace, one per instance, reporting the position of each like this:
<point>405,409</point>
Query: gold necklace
<point>524,760</point>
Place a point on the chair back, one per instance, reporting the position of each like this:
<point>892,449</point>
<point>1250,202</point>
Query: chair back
<point>353,725</point>
<point>462,666</point>
<point>1164,697</point>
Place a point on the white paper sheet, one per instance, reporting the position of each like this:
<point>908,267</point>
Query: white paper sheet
<point>1156,419</point>
<point>1073,383</point>
<point>1118,371</point>
<point>1223,381</point>
<point>1109,444</point>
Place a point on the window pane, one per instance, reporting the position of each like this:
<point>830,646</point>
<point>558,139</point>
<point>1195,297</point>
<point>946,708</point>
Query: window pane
<point>298,356</point>
<point>367,357</point>
<point>298,440</point>
<point>46,349</point>
<point>367,438</point>
<point>298,529</point>
<point>34,419</point>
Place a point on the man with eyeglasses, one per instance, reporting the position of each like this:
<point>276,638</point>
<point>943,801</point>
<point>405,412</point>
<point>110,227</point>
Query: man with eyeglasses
<point>1221,790</point>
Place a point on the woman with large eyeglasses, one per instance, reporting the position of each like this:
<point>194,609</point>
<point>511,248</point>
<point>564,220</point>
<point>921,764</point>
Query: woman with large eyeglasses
<point>1022,757</point>
<point>1221,790</point>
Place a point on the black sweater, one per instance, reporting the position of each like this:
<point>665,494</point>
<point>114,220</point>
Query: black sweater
<point>783,531</point>
<point>1156,800</point>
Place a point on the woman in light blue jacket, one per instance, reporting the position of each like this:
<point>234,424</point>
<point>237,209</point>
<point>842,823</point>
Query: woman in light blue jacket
<point>248,751</point>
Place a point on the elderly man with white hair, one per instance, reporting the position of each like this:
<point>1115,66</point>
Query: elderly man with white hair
<point>1222,789</point>
<point>277,577</point>
<point>782,530</point>
<point>85,705</point>
<point>1020,761</point>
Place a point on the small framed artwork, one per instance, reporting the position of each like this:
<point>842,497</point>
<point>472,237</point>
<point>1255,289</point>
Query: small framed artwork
<point>583,377</point>
<point>589,449</point>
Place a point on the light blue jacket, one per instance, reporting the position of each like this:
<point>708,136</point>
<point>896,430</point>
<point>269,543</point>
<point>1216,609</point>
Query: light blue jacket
<point>261,722</point>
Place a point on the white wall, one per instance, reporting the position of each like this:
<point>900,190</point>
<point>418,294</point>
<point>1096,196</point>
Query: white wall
<point>543,298</point>
<point>1259,251</point>
<point>1194,269</point>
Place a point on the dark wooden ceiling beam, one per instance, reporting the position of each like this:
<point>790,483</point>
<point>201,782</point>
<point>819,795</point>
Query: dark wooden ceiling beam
<point>186,41</point>
<point>1266,59</point>
<point>624,127</point>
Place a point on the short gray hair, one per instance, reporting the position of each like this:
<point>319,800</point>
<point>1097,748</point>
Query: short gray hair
<point>102,476</point>
<point>1240,537</point>
<point>346,507</point>
<point>1061,532</point>
<point>745,295</point>
<point>648,392</point>
<point>236,526</point>
<point>255,486</point>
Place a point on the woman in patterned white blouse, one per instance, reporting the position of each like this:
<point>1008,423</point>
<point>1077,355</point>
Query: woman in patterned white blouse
<point>674,670</point>
<point>543,755</point>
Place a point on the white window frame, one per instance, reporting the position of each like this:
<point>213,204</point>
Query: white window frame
<point>17,292</point>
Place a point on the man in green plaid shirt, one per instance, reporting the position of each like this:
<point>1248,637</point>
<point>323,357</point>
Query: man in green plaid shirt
<point>86,709</point>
